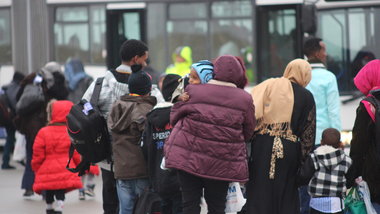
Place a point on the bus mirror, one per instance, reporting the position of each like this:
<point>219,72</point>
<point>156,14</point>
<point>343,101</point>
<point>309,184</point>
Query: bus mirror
<point>309,18</point>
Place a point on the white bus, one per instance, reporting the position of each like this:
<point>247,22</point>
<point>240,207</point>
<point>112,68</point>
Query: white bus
<point>267,34</point>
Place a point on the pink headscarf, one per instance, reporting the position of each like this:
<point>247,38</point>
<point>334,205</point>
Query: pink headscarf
<point>367,80</point>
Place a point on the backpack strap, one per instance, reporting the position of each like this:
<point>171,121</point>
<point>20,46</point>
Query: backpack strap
<point>376,145</point>
<point>82,167</point>
<point>95,95</point>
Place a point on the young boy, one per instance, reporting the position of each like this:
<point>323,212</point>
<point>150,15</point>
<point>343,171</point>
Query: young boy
<point>126,121</point>
<point>157,130</point>
<point>328,170</point>
<point>50,153</point>
<point>201,72</point>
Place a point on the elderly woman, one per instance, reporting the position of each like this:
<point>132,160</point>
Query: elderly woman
<point>284,136</point>
<point>363,143</point>
<point>207,144</point>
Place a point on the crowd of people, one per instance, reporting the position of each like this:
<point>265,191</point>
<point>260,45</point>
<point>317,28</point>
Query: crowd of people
<point>186,137</point>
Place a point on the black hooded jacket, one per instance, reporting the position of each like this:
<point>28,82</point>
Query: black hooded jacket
<point>157,130</point>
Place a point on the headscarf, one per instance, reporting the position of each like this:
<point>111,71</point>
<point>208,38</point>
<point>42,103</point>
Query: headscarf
<point>74,73</point>
<point>274,100</point>
<point>368,81</point>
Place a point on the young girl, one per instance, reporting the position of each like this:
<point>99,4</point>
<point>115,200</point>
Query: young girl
<point>50,156</point>
<point>201,72</point>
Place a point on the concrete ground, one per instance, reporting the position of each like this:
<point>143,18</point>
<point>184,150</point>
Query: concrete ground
<point>12,200</point>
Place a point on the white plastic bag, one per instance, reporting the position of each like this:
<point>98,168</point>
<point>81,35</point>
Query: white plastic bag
<point>19,152</point>
<point>235,199</point>
<point>365,195</point>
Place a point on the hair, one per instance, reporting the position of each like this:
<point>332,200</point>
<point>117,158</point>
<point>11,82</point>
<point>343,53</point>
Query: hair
<point>331,136</point>
<point>49,110</point>
<point>311,46</point>
<point>131,48</point>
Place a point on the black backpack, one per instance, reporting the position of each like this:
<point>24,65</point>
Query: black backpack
<point>88,132</point>
<point>148,203</point>
<point>376,145</point>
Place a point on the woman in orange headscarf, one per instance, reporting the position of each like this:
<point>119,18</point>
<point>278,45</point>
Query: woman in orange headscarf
<point>284,136</point>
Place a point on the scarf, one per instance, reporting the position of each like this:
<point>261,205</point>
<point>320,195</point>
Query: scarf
<point>274,100</point>
<point>367,81</point>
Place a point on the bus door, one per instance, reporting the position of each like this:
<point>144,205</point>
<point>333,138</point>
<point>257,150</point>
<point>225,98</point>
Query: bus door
<point>279,38</point>
<point>124,21</point>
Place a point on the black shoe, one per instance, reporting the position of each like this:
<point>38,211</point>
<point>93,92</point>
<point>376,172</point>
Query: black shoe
<point>57,212</point>
<point>50,211</point>
<point>7,167</point>
<point>21,162</point>
<point>29,192</point>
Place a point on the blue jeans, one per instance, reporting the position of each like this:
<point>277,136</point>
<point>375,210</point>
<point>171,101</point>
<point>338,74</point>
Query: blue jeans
<point>172,205</point>
<point>128,190</point>
<point>9,145</point>
<point>376,206</point>
<point>304,200</point>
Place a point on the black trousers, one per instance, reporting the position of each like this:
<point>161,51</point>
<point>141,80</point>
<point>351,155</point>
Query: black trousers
<point>110,198</point>
<point>59,195</point>
<point>313,211</point>
<point>215,193</point>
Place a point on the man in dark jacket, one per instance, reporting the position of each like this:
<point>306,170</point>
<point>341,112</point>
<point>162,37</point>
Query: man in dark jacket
<point>157,130</point>
<point>10,92</point>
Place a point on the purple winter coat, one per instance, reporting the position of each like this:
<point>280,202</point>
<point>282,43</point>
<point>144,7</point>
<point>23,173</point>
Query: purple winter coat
<point>211,128</point>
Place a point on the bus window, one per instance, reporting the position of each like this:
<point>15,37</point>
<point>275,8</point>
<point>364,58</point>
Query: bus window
<point>5,37</point>
<point>123,24</point>
<point>80,32</point>
<point>350,36</point>
<point>277,44</point>
<point>187,26</point>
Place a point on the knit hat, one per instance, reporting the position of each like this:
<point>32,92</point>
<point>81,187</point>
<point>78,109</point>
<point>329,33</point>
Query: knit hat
<point>170,83</point>
<point>204,69</point>
<point>139,82</point>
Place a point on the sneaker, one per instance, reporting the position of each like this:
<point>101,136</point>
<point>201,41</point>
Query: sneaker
<point>90,191</point>
<point>81,195</point>
<point>28,192</point>
<point>7,167</point>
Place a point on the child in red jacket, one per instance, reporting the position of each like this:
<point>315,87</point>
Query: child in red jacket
<point>50,156</point>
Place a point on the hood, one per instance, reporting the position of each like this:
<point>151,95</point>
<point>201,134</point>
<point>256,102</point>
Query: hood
<point>329,157</point>
<point>184,52</point>
<point>124,120</point>
<point>59,110</point>
<point>228,68</point>
<point>74,73</point>
<point>160,115</point>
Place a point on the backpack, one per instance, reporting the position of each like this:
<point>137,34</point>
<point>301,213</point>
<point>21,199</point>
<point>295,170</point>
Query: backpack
<point>376,145</point>
<point>148,203</point>
<point>88,132</point>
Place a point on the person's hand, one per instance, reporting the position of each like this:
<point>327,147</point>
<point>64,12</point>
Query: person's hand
<point>185,97</point>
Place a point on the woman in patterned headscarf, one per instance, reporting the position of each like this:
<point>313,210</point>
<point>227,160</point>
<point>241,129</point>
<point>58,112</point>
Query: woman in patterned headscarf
<point>284,136</point>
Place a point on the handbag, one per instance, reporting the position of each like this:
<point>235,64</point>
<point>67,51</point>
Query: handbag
<point>19,153</point>
<point>366,195</point>
<point>235,199</point>
<point>353,202</point>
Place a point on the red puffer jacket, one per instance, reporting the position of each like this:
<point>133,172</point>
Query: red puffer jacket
<point>211,128</point>
<point>51,153</point>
